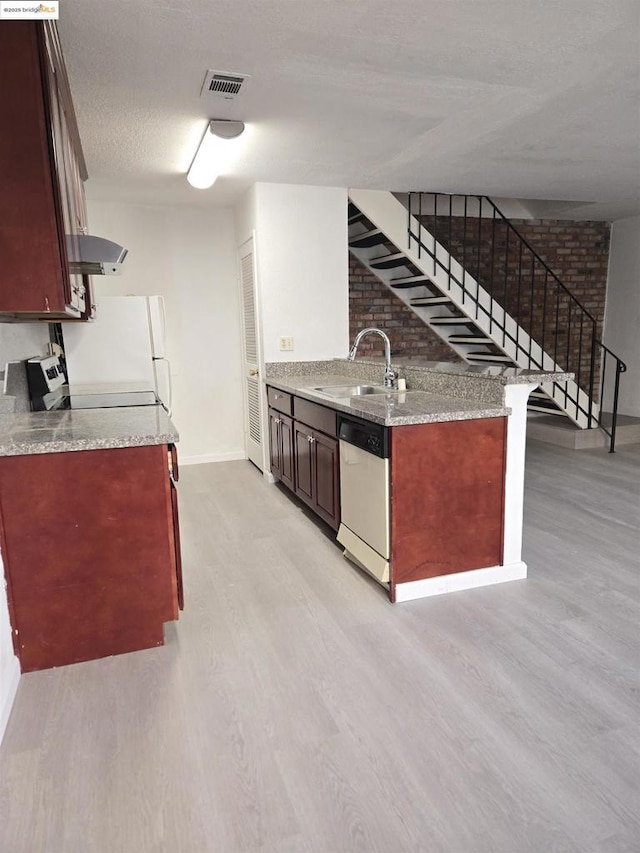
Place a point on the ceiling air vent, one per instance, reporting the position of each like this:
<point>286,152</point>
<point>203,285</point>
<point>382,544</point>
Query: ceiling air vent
<point>222,84</point>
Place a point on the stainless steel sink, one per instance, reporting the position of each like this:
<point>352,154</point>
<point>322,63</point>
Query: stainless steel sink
<point>354,390</point>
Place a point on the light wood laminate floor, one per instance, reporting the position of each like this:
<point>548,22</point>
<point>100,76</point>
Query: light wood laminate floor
<point>294,710</point>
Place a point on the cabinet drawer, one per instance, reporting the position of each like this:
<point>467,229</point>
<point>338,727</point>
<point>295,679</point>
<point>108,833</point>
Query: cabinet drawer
<point>316,416</point>
<point>280,400</point>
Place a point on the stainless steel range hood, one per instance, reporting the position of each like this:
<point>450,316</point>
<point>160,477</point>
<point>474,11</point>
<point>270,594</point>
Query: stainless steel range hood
<point>89,255</point>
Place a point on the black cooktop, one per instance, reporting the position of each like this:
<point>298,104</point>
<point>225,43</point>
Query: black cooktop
<point>109,400</point>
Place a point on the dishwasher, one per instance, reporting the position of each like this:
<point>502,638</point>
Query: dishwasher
<point>364,495</point>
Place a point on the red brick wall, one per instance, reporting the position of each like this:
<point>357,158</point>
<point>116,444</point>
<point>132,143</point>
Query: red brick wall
<point>577,252</point>
<point>371,303</point>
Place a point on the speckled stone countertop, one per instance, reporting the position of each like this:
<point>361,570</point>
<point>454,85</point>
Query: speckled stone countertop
<point>415,366</point>
<point>398,408</point>
<point>460,390</point>
<point>84,429</point>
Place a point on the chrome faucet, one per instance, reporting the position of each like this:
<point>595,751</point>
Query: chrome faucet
<point>389,375</point>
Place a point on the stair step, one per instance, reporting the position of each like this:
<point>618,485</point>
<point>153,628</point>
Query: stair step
<point>429,300</point>
<point>357,217</point>
<point>384,262</point>
<point>541,399</point>
<point>409,280</point>
<point>470,339</point>
<point>368,238</point>
<point>486,356</point>
<point>451,321</point>
<point>547,410</point>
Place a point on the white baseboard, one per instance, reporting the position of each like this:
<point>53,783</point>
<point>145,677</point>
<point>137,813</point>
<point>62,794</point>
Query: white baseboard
<point>6,702</point>
<point>230,456</point>
<point>460,580</point>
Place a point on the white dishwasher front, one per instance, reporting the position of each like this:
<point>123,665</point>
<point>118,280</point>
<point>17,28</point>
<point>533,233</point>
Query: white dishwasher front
<point>364,497</point>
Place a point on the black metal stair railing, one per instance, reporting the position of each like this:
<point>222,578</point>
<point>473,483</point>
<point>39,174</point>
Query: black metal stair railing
<point>496,257</point>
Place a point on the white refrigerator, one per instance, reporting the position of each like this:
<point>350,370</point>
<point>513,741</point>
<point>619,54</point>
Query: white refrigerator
<point>122,349</point>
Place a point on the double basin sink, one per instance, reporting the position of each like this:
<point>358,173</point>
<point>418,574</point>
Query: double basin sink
<point>354,390</point>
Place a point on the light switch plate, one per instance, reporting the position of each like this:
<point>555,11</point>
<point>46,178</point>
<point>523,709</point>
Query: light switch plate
<point>285,344</point>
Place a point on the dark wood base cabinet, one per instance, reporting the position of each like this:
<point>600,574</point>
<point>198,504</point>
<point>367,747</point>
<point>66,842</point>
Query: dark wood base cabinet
<point>281,446</point>
<point>304,452</point>
<point>317,466</point>
<point>91,551</point>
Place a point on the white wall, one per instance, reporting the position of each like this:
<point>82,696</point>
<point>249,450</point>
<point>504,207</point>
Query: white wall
<point>303,270</point>
<point>622,311</point>
<point>187,255</point>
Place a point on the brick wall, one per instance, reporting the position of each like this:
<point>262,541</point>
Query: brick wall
<point>577,252</point>
<point>371,303</point>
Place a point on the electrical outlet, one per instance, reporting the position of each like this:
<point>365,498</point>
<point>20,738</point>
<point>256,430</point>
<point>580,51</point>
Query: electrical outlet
<point>285,344</point>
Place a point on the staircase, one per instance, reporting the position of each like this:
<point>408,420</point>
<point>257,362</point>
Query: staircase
<point>545,328</point>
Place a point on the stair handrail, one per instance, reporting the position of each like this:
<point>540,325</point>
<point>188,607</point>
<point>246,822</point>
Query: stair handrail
<point>596,342</point>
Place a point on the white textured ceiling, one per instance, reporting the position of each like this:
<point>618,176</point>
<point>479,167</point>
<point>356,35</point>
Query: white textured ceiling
<point>512,98</point>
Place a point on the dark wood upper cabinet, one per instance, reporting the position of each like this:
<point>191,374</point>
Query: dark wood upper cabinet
<point>42,170</point>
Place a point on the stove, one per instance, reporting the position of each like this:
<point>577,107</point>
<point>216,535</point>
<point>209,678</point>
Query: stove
<point>49,392</point>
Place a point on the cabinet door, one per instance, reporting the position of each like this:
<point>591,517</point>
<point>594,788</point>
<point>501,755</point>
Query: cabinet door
<point>287,467</point>
<point>98,577</point>
<point>326,498</point>
<point>304,462</point>
<point>66,170</point>
<point>275,443</point>
<point>41,175</point>
<point>30,235</point>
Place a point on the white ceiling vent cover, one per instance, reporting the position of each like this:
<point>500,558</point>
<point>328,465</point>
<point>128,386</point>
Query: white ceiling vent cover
<point>222,84</point>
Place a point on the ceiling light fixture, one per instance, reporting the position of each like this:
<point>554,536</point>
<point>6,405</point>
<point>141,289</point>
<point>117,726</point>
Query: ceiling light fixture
<point>216,152</point>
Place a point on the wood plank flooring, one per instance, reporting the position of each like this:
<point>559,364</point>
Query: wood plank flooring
<point>295,710</point>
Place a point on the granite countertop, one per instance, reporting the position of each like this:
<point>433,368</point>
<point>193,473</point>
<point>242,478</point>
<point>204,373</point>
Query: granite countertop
<point>419,367</point>
<point>84,429</point>
<point>397,408</point>
<point>502,375</point>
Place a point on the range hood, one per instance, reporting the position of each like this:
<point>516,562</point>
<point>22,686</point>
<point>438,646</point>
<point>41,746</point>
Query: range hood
<point>90,255</point>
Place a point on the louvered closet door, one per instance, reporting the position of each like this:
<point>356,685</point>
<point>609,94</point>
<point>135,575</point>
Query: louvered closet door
<point>251,355</point>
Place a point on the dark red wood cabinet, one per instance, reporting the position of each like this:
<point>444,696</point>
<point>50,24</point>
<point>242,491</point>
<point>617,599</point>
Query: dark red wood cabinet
<point>91,550</point>
<point>304,452</point>
<point>447,497</point>
<point>317,465</point>
<point>281,447</point>
<point>42,169</point>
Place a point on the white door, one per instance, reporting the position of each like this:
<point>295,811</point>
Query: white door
<point>250,355</point>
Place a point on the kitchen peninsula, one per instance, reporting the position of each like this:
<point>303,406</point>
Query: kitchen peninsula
<point>451,515</point>
<point>90,537</point>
